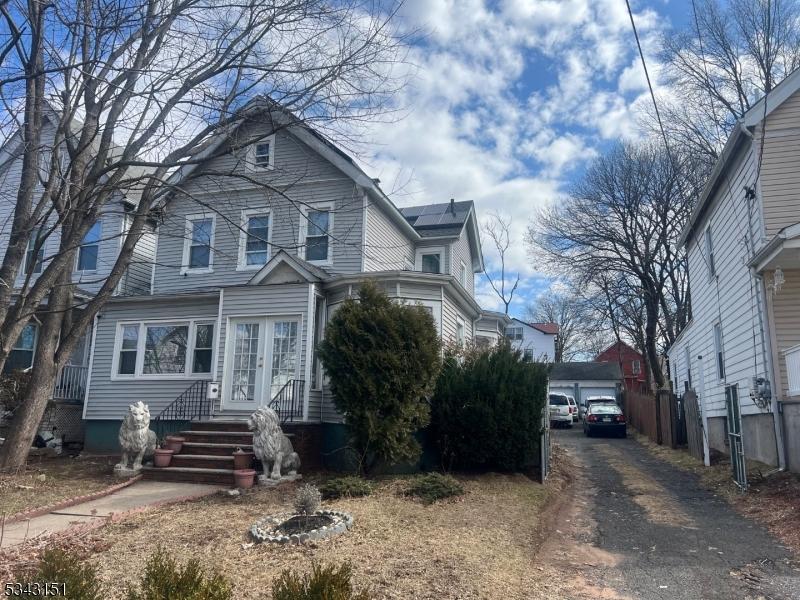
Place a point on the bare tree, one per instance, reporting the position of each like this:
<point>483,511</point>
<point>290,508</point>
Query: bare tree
<point>104,99</point>
<point>568,311</point>
<point>498,229</point>
<point>621,223</point>
<point>725,60</point>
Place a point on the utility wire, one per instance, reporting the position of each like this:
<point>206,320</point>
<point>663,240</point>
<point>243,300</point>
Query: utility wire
<point>649,84</point>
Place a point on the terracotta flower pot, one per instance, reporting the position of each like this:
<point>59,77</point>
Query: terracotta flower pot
<point>162,457</point>
<point>242,460</point>
<point>244,478</point>
<point>175,443</point>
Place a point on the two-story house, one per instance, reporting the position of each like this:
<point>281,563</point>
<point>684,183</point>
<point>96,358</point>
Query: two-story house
<point>741,349</point>
<point>250,267</point>
<point>93,264</point>
<point>537,341</point>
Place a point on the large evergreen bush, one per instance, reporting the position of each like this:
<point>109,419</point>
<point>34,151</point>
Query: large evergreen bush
<point>382,359</point>
<point>486,412</point>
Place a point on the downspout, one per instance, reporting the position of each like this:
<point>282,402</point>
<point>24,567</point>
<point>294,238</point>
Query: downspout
<point>766,333</point>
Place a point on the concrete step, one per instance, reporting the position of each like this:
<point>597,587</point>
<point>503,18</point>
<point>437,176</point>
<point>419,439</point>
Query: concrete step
<point>218,437</point>
<point>190,475</point>
<point>207,448</point>
<point>201,461</point>
<point>219,425</point>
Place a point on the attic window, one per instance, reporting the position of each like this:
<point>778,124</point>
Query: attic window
<point>264,153</point>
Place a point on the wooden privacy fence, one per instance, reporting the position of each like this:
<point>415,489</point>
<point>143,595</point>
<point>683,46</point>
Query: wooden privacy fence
<point>694,424</point>
<point>659,416</point>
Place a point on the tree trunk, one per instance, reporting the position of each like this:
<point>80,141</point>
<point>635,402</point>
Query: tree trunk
<point>650,334</point>
<point>25,424</point>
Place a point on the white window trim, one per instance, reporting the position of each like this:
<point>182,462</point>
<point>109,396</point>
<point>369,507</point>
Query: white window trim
<point>78,271</point>
<point>251,154</point>
<point>303,230</point>
<point>22,272</point>
<point>187,242</point>
<point>463,325</point>
<point>462,274</point>
<point>429,250</point>
<point>436,310</point>
<point>241,263</point>
<point>187,374</point>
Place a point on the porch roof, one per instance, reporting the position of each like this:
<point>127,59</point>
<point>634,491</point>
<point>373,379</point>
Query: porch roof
<point>781,250</point>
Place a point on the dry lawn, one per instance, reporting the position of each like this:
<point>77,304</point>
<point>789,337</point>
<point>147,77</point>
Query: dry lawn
<point>481,545</point>
<point>772,499</point>
<point>48,480</point>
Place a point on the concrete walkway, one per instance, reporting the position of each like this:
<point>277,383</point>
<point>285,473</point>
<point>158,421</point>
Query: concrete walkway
<point>138,495</point>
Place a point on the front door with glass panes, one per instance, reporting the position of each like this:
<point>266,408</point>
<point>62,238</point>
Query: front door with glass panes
<point>262,356</point>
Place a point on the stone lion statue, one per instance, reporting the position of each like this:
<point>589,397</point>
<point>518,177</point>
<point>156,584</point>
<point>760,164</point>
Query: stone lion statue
<point>135,438</point>
<point>271,446</point>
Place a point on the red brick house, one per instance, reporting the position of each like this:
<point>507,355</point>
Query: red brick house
<point>630,361</point>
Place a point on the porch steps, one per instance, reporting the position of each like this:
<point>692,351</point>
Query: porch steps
<point>206,436</point>
<point>189,475</point>
<point>209,449</point>
<point>202,461</point>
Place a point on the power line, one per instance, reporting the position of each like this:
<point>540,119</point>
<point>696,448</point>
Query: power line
<point>649,84</point>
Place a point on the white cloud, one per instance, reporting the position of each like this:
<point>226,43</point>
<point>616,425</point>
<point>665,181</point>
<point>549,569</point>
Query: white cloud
<point>508,102</point>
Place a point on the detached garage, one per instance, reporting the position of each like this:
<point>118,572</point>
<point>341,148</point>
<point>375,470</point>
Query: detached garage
<point>583,379</point>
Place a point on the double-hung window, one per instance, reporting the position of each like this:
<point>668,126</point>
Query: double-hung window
<point>316,231</point>
<point>264,153</point>
<point>197,255</point>
<point>174,349</point>
<point>21,355</point>
<point>254,239</point>
<point>89,250</point>
<point>460,332</point>
<point>527,355</point>
<point>34,257</point>
<point>636,367</point>
<point>514,333</point>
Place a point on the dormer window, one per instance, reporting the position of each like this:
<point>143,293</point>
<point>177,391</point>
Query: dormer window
<point>430,260</point>
<point>263,153</point>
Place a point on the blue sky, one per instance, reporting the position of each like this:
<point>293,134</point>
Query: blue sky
<point>509,101</point>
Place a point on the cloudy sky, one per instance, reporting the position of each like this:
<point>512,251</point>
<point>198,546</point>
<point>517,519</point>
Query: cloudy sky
<point>509,101</point>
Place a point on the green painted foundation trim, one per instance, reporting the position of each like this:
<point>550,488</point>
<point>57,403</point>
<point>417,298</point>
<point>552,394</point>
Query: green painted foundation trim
<point>101,436</point>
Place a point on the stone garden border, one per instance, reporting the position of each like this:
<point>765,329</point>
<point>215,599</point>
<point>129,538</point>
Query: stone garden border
<point>266,529</point>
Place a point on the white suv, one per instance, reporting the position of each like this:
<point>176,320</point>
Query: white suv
<point>560,410</point>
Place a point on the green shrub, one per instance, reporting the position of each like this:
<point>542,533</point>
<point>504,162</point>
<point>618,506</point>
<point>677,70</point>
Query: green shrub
<point>77,577</point>
<point>163,579</point>
<point>345,487</point>
<point>323,583</point>
<point>382,359</point>
<point>434,486</point>
<point>486,412</point>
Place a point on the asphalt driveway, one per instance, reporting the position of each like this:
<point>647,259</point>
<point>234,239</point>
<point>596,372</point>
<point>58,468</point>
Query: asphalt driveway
<point>638,527</point>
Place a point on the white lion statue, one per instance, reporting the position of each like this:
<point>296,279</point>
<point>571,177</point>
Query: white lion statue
<point>271,446</point>
<point>135,438</point>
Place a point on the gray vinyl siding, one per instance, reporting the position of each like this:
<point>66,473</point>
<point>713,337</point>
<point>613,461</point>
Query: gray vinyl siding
<point>109,399</point>
<point>139,274</point>
<point>450,313</point>
<point>266,300</point>
<point>786,325</point>
<point>301,178</point>
<point>110,224</point>
<point>386,248</point>
<point>780,170</point>
<point>461,253</point>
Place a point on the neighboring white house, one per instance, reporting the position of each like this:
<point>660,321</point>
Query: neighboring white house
<point>741,349</point>
<point>536,340</point>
